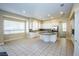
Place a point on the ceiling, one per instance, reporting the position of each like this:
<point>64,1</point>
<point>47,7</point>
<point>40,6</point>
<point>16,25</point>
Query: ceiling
<point>38,10</point>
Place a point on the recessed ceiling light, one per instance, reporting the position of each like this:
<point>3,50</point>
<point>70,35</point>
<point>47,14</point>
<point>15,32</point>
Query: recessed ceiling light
<point>48,15</point>
<point>24,11</point>
<point>62,4</point>
<point>61,12</point>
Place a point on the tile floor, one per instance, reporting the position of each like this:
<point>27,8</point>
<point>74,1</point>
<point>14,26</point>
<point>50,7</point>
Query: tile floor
<point>37,47</point>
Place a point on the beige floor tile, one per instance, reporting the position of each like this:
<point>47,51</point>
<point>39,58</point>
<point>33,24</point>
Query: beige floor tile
<point>36,47</point>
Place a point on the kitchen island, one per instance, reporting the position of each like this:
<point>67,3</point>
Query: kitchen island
<point>48,37</point>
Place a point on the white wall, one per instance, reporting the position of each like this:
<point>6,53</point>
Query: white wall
<point>9,37</point>
<point>77,26</point>
<point>1,30</point>
<point>75,9</point>
<point>49,24</point>
<point>76,33</point>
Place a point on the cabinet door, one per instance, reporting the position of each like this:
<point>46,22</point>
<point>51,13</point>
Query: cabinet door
<point>46,38</point>
<point>53,38</point>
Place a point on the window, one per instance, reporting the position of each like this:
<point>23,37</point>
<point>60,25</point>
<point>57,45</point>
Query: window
<point>11,27</point>
<point>35,25</point>
<point>32,25</point>
<point>64,26</point>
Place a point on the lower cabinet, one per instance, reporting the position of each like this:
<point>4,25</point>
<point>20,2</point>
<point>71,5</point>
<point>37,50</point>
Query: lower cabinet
<point>48,38</point>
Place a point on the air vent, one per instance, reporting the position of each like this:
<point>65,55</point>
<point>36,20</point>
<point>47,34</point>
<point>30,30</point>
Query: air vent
<point>62,4</point>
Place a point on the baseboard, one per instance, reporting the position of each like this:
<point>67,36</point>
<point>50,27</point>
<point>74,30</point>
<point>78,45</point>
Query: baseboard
<point>13,39</point>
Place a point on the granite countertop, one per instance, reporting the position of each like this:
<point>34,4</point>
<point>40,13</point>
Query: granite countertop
<point>48,33</point>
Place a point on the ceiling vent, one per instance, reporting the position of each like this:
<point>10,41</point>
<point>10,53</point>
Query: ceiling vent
<point>62,4</point>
